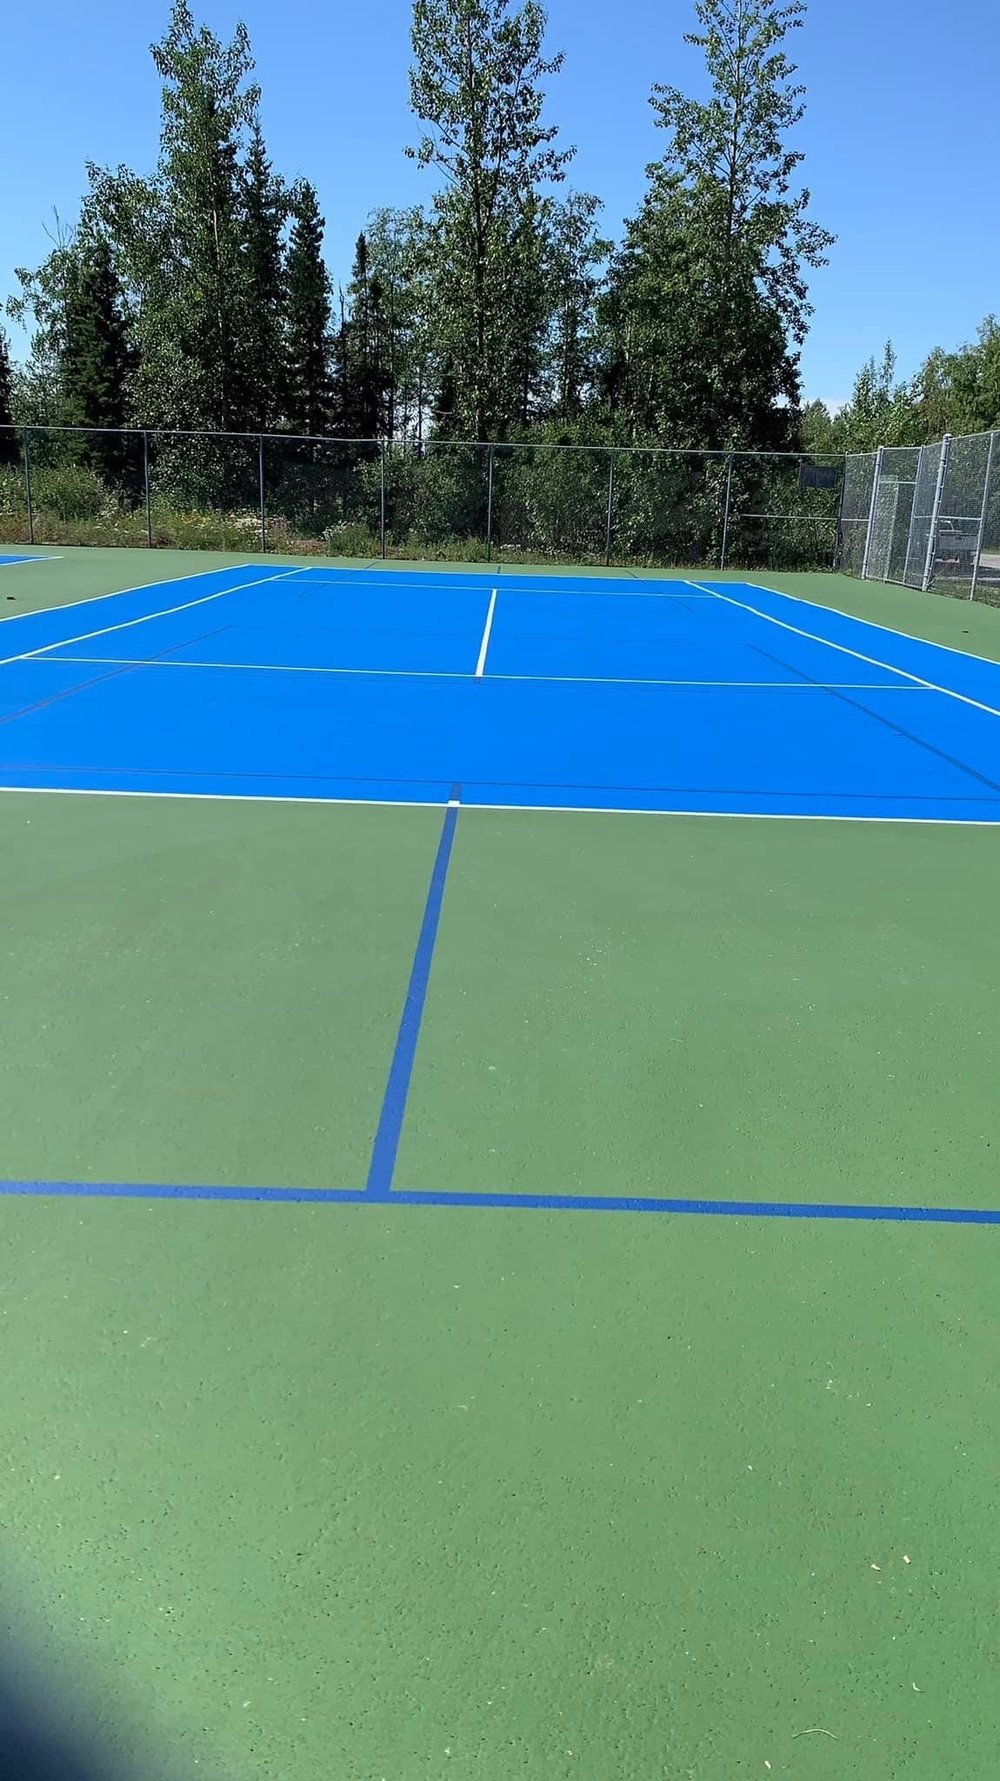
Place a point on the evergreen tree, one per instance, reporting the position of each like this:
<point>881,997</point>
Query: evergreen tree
<point>95,362</point>
<point>8,440</point>
<point>445,416</point>
<point>179,237</point>
<point>528,278</point>
<point>266,209</point>
<point>363,352</point>
<point>307,320</point>
<point>207,110</point>
<point>475,82</point>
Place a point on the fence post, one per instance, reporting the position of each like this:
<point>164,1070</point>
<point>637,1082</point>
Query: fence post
<point>725,516</point>
<point>145,484</point>
<point>983,516</point>
<point>27,484</point>
<point>260,492</point>
<point>381,499</point>
<point>489,508</point>
<point>876,482</point>
<point>931,557</point>
<point>835,565</point>
<point>611,512</point>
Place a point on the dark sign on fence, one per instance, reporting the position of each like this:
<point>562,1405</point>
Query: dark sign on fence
<point>819,476</point>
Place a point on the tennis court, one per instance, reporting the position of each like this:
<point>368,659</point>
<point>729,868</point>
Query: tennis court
<point>500,1121</point>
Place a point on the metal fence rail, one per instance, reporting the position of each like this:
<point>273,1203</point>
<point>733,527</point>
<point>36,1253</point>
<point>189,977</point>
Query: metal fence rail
<point>521,501</point>
<point>926,516</point>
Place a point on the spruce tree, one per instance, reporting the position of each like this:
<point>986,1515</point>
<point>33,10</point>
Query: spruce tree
<point>363,351</point>
<point>265,206</point>
<point>8,439</point>
<point>95,360</point>
<point>307,320</point>
<point>475,83</point>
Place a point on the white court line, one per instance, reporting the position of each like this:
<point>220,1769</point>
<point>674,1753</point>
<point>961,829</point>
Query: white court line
<point>952,649</point>
<point>455,583</point>
<point>487,628</point>
<point>857,654</point>
<point>165,612</point>
<point>20,563</point>
<point>788,686</point>
<point>87,791</point>
<point>10,618</point>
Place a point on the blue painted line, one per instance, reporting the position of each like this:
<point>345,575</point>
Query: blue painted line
<point>701,1208</point>
<point>147,1190</point>
<point>397,1088</point>
<point>349,1196</point>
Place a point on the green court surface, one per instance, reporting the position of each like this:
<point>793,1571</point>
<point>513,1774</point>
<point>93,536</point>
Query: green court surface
<point>399,1492</point>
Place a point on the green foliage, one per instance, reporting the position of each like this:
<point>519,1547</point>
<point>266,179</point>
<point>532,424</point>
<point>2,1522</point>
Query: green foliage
<point>437,494</point>
<point>266,209</point>
<point>476,84</point>
<point>13,509</point>
<point>399,246</point>
<point>192,242</point>
<point>707,297</point>
<point>365,352</point>
<point>730,154</point>
<point>953,392</point>
<point>308,393</point>
<point>8,441</point>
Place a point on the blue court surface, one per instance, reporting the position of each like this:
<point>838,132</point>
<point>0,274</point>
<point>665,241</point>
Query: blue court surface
<point>497,690</point>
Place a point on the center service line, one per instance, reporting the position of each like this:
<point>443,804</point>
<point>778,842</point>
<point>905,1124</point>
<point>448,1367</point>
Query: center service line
<point>390,1125</point>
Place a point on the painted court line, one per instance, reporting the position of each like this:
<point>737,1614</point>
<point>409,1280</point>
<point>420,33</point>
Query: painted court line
<point>487,628</point>
<point>126,624</point>
<point>857,654</point>
<point>456,584</point>
<point>785,686</point>
<point>346,1196</point>
<point>390,1125</point>
<point>112,671</point>
<point>18,563</point>
<point>10,618</point>
<point>98,791</point>
<point>872,624</point>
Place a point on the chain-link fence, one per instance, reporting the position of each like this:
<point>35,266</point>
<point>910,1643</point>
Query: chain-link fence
<point>521,502</point>
<point>926,516</point>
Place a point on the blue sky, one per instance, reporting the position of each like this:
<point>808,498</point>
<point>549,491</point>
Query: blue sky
<point>900,135</point>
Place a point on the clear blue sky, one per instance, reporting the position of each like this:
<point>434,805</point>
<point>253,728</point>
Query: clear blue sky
<point>900,135</point>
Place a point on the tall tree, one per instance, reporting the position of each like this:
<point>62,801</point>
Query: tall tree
<point>180,235</point>
<point>528,269</point>
<point>577,254</point>
<point>207,110</point>
<point>730,152</point>
<point>363,351</point>
<point>476,83</point>
<point>708,300</point>
<point>399,245</point>
<point>266,206</point>
<point>96,362</point>
<point>307,326</point>
<point>43,299</point>
<point>8,440</point>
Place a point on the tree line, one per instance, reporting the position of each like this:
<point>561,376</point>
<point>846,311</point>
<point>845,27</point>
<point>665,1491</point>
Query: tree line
<point>197,296</point>
<point>952,392</point>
